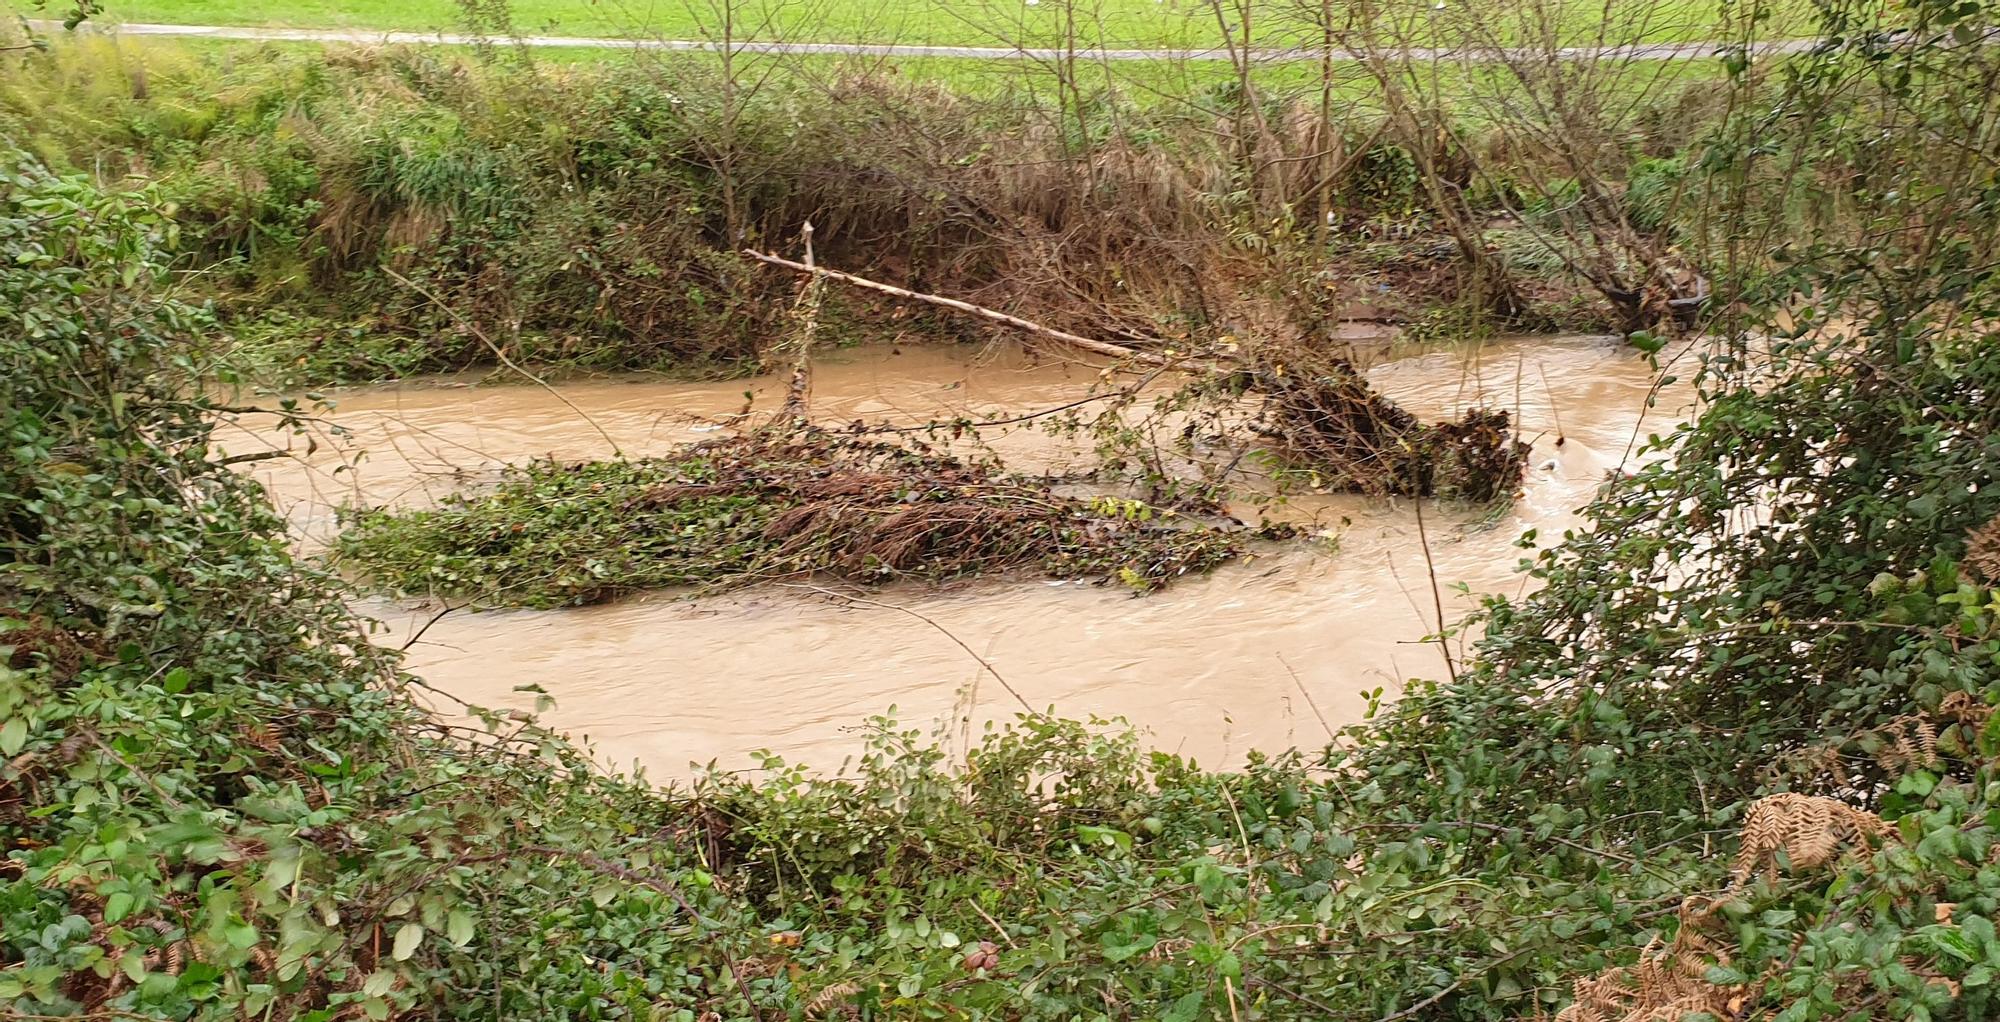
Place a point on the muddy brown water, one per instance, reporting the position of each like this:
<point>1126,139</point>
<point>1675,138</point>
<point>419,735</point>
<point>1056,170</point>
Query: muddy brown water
<point>1266,654</point>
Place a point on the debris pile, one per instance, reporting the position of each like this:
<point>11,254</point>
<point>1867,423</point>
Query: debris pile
<point>1333,423</point>
<point>766,505</point>
<point>1327,420</point>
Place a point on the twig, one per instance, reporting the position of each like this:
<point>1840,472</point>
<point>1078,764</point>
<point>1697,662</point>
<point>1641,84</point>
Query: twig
<point>824,591</point>
<point>997,928</point>
<point>1554,412</point>
<point>1073,340</point>
<point>419,633</point>
<point>1448,991</point>
<point>1309,698</point>
<point>1498,829</point>
<point>1430,567</point>
<point>244,459</point>
<point>1259,981</point>
<point>500,354</point>
<point>1120,394</point>
<point>798,391</point>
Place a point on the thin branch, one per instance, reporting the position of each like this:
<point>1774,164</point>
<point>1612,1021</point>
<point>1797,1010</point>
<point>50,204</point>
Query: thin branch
<point>1073,340</point>
<point>473,328</point>
<point>983,662</point>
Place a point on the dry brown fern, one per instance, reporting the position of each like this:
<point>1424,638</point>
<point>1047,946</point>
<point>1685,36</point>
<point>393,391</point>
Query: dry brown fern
<point>1819,762</point>
<point>1809,830</point>
<point>1667,982</point>
<point>1982,553</point>
<point>836,994</point>
<point>1905,743</point>
<point>1966,709</point>
<point>168,957</point>
<point>1908,742</point>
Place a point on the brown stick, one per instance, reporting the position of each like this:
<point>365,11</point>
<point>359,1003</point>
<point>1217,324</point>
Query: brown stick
<point>797,394</point>
<point>1073,340</point>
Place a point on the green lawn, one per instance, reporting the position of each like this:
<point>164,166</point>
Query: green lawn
<point>1141,24</point>
<point>1133,23</point>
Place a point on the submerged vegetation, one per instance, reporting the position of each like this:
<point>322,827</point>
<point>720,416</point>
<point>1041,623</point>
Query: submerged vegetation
<point>1736,755</point>
<point>766,505</point>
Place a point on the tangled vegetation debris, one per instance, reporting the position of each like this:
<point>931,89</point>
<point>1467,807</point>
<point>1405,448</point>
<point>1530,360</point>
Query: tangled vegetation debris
<point>766,505</point>
<point>1322,416</point>
<point>1332,423</point>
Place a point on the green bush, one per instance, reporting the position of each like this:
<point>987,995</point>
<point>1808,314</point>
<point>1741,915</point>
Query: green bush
<point>218,799</point>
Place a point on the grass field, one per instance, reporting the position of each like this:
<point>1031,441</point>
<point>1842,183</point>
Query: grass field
<point>1136,24</point>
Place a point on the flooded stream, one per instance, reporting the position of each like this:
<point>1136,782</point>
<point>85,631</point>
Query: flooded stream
<point>1266,653</point>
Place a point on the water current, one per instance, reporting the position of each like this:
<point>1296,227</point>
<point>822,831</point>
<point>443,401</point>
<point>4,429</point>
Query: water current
<point>1267,653</point>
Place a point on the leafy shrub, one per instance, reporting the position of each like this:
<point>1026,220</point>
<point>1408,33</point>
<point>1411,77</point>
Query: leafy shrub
<point>218,801</point>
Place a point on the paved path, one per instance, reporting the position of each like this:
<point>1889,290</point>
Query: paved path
<point>1645,51</point>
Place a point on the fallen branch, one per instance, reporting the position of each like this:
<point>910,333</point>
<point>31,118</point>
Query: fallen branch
<point>1073,340</point>
<point>1326,417</point>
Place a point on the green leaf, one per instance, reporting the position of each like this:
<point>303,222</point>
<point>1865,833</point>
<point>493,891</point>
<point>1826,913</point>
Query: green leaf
<point>1950,941</point>
<point>1229,966</point>
<point>1722,975</point>
<point>458,928</point>
<point>1185,1009</point>
<point>13,735</point>
<point>407,939</point>
<point>1117,952</point>
<point>1214,883</point>
<point>117,907</point>
<point>176,681</point>
<point>1645,341</point>
<point>241,936</point>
